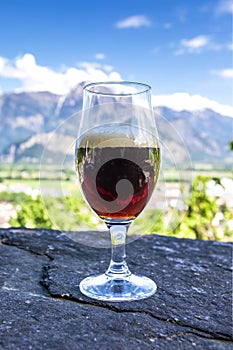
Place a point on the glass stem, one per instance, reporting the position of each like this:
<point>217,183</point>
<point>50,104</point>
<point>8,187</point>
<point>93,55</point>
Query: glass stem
<point>118,266</point>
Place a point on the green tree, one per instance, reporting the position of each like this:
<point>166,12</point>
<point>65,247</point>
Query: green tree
<point>32,214</point>
<point>231,145</point>
<point>67,213</point>
<point>196,220</point>
<point>200,211</point>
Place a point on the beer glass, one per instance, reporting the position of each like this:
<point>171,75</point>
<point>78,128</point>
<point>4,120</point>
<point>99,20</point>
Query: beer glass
<point>117,161</point>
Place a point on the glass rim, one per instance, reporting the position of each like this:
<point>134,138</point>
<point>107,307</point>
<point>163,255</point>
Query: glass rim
<point>125,83</point>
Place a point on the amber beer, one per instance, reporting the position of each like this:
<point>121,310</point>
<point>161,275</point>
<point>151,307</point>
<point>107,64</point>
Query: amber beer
<point>117,182</point>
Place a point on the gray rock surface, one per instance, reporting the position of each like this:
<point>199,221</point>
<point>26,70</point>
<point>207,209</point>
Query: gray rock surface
<point>42,307</point>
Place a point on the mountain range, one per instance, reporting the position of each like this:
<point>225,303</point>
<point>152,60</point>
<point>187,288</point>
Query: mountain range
<point>28,119</point>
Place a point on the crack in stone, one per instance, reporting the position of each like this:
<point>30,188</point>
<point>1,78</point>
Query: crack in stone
<point>110,306</point>
<point>195,331</point>
<point>188,329</point>
<point>27,249</point>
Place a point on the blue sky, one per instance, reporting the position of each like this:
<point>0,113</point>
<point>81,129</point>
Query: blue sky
<point>175,46</point>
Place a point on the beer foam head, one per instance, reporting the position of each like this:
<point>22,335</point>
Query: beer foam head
<point>117,135</point>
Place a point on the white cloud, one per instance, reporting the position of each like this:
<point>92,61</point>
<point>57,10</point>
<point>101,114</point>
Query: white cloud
<point>194,45</point>
<point>89,66</point>
<point>200,43</point>
<point>224,6</point>
<point>99,56</point>
<point>183,101</point>
<point>2,63</point>
<point>134,22</point>
<point>224,73</point>
<point>34,77</point>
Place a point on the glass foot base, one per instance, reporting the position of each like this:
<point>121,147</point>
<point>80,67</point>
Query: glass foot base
<point>106,288</point>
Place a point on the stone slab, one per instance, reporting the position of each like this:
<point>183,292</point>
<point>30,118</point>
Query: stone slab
<point>42,307</point>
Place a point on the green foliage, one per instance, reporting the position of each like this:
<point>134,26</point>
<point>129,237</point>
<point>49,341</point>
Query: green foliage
<point>13,197</point>
<point>32,214</point>
<point>83,216</point>
<point>201,209</point>
<point>195,220</point>
<point>69,213</point>
<point>231,145</point>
